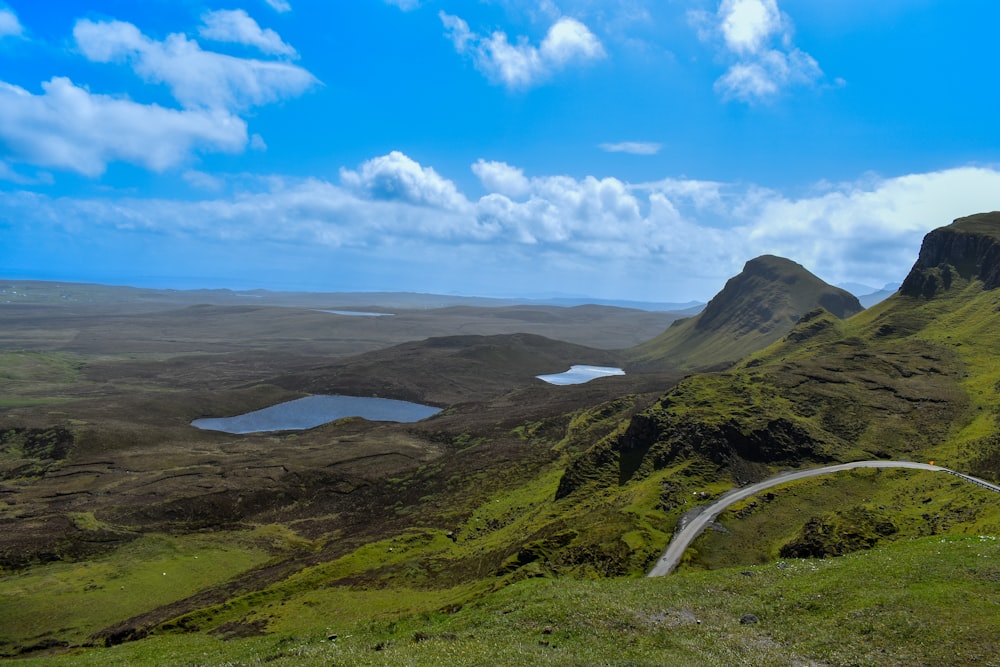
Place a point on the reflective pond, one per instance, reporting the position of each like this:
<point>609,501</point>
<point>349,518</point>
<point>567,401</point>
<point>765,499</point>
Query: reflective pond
<point>356,313</point>
<point>581,374</point>
<point>312,411</point>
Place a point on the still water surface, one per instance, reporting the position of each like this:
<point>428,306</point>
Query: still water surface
<point>581,374</point>
<point>313,411</point>
<point>356,313</point>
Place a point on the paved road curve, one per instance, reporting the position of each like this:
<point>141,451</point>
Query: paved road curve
<point>686,533</point>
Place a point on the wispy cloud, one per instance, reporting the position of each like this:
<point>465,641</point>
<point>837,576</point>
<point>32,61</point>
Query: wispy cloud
<point>10,26</point>
<point>757,37</point>
<point>236,26</point>
<point>280,6</point>
<point>8,173</point>
<point>405,5</point>
<point>521,65</point>
<point>633,147</point>
<point>202,181</point>
<point>196,78</point>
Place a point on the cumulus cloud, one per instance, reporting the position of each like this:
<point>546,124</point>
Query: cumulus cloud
<point>748,25</point>
<point>397,177</point>
<point>757,37</point>
<point>237,26</point>
<point>591,215</point>
<point>671,239</point>
<point>68,127</point>
<point>196,78</point>
<point>867,231</point>
<point>501,178</point>
<point>632,147</point>
<point>522,65</point>
<point>10,26</point>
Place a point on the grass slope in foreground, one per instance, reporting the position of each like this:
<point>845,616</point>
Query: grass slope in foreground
<point>930,601</point>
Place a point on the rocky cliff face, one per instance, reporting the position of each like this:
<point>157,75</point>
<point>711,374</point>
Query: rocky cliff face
<point>968,249</point>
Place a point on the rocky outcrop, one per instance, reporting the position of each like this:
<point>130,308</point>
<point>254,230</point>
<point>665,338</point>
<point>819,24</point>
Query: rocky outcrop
<point>655,440</point>
<point>966,250</point>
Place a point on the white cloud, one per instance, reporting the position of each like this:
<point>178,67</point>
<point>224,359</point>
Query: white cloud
<point>748,25</point>
<point>569,40</point>
<point>757,37</point>
<point>766,76</point>
<point>196,78</point>
<point>203,181</point>
<point>580,214</point>
<point>237,26</point>
<point>405,5</point>
<point>280,6</point>
<point>501,178</point>
<point>669,240</point>
<point>632,147</point>
<point>397,177</point>
<point>68,127</point>
<point>522,65</point>
<point>871,230</point>
<point>10,26</point>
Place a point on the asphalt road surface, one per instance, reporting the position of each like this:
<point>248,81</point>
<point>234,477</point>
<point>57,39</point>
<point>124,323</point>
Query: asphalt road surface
<point>692,526</point>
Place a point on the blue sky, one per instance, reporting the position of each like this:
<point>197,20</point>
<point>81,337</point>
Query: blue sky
<point>630,149</point>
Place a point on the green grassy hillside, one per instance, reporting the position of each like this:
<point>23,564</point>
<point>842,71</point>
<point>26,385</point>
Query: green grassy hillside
<point>926,602</point>
<point>916,378</point>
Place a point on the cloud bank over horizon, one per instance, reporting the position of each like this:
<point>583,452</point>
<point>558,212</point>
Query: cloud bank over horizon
<point>623,149</point>
<point>694,233</point>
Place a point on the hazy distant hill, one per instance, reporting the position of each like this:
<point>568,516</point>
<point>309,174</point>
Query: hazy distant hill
<point>869,299</point>
<point>49,292</point>
<point>753,310</point>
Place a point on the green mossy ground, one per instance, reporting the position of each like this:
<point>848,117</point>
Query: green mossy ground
<point>928,601</point>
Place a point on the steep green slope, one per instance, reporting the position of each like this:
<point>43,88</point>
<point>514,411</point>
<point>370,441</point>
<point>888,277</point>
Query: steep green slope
<point>916,377</point>
<point>753,310</point>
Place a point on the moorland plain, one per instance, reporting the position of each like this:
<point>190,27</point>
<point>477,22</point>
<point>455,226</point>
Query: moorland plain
<point>99,456</point>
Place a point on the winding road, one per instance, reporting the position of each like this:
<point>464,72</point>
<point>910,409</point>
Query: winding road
<point>692,523</point>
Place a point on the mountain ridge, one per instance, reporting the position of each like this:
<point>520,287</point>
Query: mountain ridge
<point>754,309</point>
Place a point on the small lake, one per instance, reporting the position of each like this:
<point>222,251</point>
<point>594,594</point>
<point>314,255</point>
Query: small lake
<point>581,374</point>
<point>356,313</point>
<point>312,411</point>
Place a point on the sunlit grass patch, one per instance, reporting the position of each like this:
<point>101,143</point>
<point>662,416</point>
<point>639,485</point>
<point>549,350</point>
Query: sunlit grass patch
<point>928,602</point>
<point>68,602</point>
